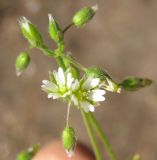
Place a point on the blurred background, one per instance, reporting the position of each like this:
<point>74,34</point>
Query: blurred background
<point>122,38</point>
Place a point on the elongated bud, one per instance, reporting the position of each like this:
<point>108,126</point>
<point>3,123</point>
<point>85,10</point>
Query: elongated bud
<point>69,140</point>
<point>29,153</point>
<point>54,30</point>
<point>31,33</point>
<point>22,62</point>
<point>84,15</point>
<point>107,82</point>
<point>135,83</point>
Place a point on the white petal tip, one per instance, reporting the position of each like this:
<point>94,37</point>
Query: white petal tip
<point>50,17</point>
<point>70,153</point>
<point>18,73</point>
<point>95,7</point>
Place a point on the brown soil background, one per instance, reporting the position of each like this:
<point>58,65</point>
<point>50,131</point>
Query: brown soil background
<point>122,38</point>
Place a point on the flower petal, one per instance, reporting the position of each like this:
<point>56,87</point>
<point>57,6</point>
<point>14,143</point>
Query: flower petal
<point>49,86</point>
<point>54,95</point>
<point>87,106</point>
<point>61,75</point>
<point>75,85</point>
<point>94,82</point>
<point>74,100</point>
<point>69,80</point>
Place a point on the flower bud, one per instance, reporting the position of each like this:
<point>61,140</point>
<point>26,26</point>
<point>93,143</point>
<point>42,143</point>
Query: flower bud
<point>22,62</point>
<point>54,30</point>
<point>84,15</point>
<point>69,140</point>
<point>134,83</point>
<point>31,33</point>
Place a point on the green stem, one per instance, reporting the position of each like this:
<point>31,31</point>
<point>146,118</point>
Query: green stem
<point>66,28</point>
<point>58,58</point>
<point>60,62</point>
<point>75,63</point>
<point>102,136</point>
<point>92,136</point>
<point>68,114</point>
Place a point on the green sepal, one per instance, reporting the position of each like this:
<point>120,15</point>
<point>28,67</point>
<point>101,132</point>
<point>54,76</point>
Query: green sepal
<point>96,72</point>
<point>135,83</point>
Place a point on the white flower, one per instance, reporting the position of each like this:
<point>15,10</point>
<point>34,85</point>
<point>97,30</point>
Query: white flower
<point>87,94</point>
<point>60,84</point>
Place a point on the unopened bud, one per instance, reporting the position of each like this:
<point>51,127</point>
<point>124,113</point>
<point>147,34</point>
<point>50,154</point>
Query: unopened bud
<point>135,83</point>
<point>31,33</point>
<point>54,30</point>
<point>69,140</point>
<point>22,62</point>
<point>84,15</point>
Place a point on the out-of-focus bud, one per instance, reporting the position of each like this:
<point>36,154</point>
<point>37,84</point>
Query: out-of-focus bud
<point>136,157</point>
<point>54,30</point>
<point>31,33</point>
<point>135,83</point>
<point>69,140</point>
<point>107,82</point>
<point>24,156</point>
<point>29,153</point>
<point>22,62</point>
<point>84,15</point>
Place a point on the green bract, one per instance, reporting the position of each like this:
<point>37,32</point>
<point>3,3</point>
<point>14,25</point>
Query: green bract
<point>22,61</point>
<point>31,33</point>
<point>68,138</point>
<point>54,30</point>
<point>84,15</point>
<point>135,83</point>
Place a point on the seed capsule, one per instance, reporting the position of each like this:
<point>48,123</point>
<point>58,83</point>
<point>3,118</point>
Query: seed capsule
<point>22,62</point>
<point>84,15</point>
<point>69,140</point>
